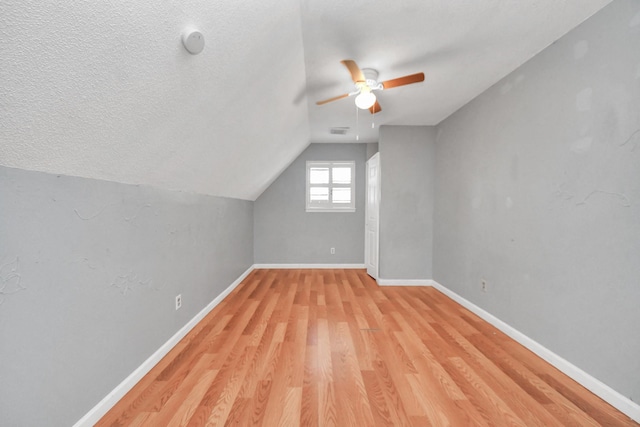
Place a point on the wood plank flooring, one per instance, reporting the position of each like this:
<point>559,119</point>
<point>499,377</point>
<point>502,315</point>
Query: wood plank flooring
<point>331,348</point>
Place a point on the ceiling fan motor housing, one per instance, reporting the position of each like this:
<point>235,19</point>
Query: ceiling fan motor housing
<point>370,74</point>
<point>371,78</point>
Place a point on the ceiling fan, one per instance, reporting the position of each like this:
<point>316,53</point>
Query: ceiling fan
<point>366,81</point>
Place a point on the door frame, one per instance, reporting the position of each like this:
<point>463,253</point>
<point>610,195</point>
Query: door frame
<point>374,159</point>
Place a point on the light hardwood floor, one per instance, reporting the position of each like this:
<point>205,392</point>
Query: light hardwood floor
<point>331,348</point>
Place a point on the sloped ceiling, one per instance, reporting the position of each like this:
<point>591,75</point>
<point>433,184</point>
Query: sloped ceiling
<point>462,46</point>
<point>105,89</point>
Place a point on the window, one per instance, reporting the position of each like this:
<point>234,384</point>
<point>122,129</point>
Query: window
<point>331,186</point>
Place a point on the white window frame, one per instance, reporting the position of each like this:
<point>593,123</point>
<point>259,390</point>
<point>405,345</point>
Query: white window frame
<point>330,206</point>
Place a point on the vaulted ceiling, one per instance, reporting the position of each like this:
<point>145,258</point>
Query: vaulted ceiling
<point>106,90</point>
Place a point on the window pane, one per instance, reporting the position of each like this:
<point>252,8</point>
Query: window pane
<point>341,195</point>
<point>342,175</point>
<point>330,186</point>
<point>319,175</point>
<point>319,194</point>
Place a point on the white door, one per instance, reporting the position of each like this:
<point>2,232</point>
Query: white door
<point>372,212</point>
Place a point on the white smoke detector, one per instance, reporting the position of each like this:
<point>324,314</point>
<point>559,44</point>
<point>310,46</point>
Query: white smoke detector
<point>193,41</point>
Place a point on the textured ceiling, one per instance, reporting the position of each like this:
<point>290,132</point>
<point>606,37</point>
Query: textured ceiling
<point>462,46</point>
<point>105,89</point>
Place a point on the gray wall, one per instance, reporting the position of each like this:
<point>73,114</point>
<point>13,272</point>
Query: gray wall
<point>407,155</point>
<point>372,148</point>
<point>538,192</point>
<point>285,233</point>
<point>89,271</point>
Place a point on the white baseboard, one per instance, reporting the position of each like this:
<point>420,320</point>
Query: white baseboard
<point>98,411</point>
<point>296,266</point>
<point>405,282</point>
<point>597,387</point>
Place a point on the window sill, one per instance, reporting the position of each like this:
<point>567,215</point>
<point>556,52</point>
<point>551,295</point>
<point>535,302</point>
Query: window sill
<point>346,210</point>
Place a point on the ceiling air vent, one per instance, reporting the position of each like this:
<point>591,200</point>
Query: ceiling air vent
<point>339,131</point>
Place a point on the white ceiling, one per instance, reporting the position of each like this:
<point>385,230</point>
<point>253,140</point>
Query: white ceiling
<point>462,46</point>
<point>105,90</point>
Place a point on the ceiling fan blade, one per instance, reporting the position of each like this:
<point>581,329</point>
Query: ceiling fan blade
<point>375,108</point>
<point>401,81</point>
<point>335,98</point>
<point>356,73</point>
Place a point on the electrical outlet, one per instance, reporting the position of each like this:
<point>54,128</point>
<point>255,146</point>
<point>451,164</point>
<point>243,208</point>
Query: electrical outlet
<point>178,301</point>
<point>333,251</point>
<point>483,283</point>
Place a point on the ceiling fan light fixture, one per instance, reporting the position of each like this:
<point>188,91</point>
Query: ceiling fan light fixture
<point>365,100</point>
